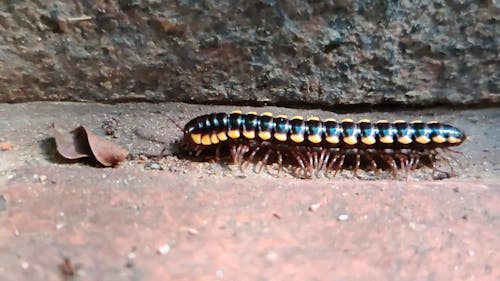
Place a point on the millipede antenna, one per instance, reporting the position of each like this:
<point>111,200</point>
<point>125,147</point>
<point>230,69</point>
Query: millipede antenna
<point>175,123</point>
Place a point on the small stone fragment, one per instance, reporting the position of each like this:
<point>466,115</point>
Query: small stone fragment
<point>272,256</point>
<point>25,265</point>
<point>107,85</point>
<point>343,217</point>
<point>314,207</point>
<point>192,231</point>
<point>5,146</point>
<point>152,166</point>
<point>219,273</point>
<point>130,260</point>
<point>3,204</point>
<point>163,249</point>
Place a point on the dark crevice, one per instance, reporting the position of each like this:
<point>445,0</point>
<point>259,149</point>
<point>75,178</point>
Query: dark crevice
<point>340,108</point>
<point>388,106</point>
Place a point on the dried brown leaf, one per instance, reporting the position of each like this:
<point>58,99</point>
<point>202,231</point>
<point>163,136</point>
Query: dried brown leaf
<point>82,142</point>
<point>105,151</point>
<point>70,146</point>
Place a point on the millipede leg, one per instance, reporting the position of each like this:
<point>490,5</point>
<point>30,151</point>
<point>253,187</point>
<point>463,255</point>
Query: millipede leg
<point>217,153</point>
<point>254,152</point>
<point>315,163</point>
<point>392,164</point>
<point>298,158</point>
<point>242,149</point>
<point>264,160</point>
<point>450,153</point>
<point>340,167</point>
<point>403,162</point>
<point>237,152</point>
<point>452,171</point>
<point>412,158</point>
<point>198,150</point>
<point>373,164</point>
<point>433,160</point>
<point>238,155</point>
<point>280,160</point>
<point>310,164</point>
<point>316,160</point>
<point>323,159</point>
<point>416,161</point>
<point>233,151</point>
<point>454,151</point>
<point>251,157</point>
<point>356,165</point>
<point>333,162</point>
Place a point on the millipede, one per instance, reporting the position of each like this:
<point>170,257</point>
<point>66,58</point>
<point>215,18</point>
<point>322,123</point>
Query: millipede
<point>310,146</point>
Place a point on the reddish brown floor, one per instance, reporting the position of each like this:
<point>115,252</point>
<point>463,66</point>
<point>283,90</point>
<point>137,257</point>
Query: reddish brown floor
<point>197,221</point>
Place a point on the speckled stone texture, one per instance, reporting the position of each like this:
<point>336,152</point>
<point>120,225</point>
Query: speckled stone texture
<point>321,53</point>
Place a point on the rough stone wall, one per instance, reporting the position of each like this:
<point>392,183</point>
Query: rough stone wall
<point>289,52</point>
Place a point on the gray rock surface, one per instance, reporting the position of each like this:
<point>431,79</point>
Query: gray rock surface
<point>290,52</point>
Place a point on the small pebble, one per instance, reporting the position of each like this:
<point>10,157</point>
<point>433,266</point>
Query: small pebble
<point>5,146</point>
<point>153,166</point>
<point>164,249</point>
<point>106,85</point>
<point>219,273</point>
<point>314,207</point>
<point>130,260</point>
<point>131,255</point>
<point>272,256</point>
<point>343,217</point>
<point>25,265</point>
<point>3,204</point>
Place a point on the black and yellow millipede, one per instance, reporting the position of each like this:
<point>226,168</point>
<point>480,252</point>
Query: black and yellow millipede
<point>310,146</point>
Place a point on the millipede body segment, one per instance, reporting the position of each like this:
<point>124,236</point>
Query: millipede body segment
<point>313,144</point>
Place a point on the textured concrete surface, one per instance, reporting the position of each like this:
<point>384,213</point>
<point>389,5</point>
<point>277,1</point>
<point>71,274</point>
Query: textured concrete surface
<point>285,52</point>
<point>206,221</point>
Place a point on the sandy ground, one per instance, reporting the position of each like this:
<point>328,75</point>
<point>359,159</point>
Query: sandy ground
<point>207,221</point>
